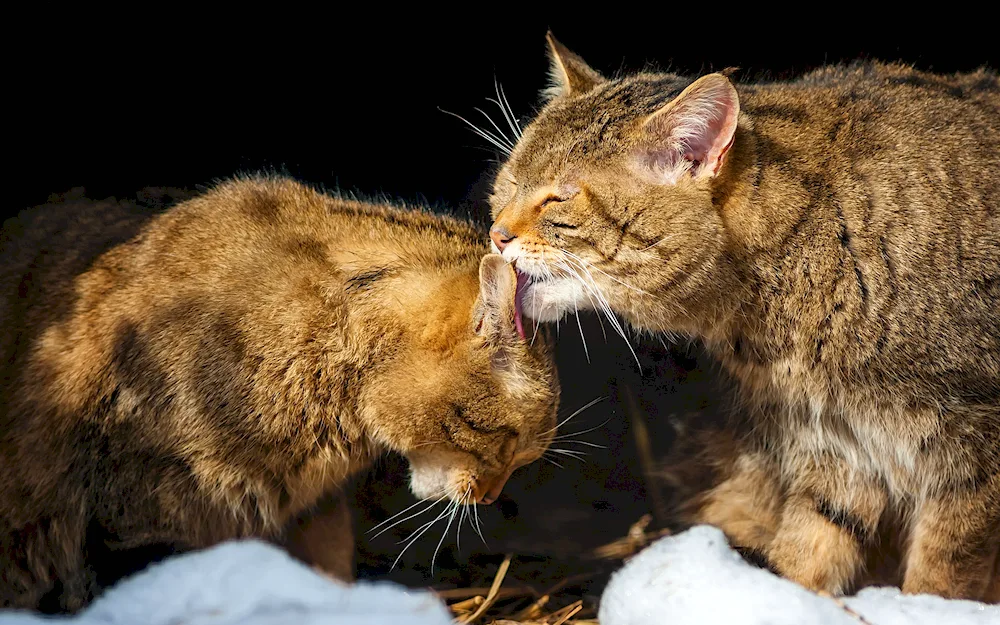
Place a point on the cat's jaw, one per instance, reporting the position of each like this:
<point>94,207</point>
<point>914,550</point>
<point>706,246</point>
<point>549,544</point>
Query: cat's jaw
<point>544,295</point>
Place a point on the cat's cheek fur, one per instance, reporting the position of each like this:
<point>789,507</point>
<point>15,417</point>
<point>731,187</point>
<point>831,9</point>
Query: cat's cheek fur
<point>434,475</point>
<point>553,299</point>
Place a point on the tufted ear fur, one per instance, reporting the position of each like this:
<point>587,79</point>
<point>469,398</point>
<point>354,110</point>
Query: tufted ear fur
<point>691,134</point>
<point>495,308</point>
<point>568,73</point>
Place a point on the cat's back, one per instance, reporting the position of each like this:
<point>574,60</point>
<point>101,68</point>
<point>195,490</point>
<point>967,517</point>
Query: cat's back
<point>888,182</point>
<point>43,249</point>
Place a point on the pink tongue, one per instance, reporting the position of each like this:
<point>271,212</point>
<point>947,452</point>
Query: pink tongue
<point>522,281</point>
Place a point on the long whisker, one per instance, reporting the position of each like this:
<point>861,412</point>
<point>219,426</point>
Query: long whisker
<point>485,134</point>
<point>546,458</point>
<point>534,332</point>
<point>605,307</point>
<point>500,134</point>
<point>475,511</point>
<point>503,96</point>
<point>461,517</point>
<point>580,326</point>
<point>588,430</point>
<point>507,113</point>
<point>414,515</point>
<point>454,511</point>
<point>404,512</point>
<point>564,452</point>
<point>578,411</point>
<point>415,536</point>
<point>585,443</point>
<point>608,275</point>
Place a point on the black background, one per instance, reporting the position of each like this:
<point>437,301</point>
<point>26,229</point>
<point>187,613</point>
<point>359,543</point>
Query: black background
<point>118,102</point>
<point>114,103</point>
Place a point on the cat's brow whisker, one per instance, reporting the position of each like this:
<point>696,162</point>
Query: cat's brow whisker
<point>499,133</point>
<point>485,134</point>
<point>506,108</point>
<point>510,109</point>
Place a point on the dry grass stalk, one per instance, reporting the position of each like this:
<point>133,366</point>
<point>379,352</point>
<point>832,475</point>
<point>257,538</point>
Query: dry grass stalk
<point>843,606</point>
<point>643,446</point>
<point>491,596</point>
<point>451,594</point>
<point>636,540</point>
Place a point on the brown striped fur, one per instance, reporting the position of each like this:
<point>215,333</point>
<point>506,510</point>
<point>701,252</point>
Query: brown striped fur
<point>218,369</point>
<point>835,242</point>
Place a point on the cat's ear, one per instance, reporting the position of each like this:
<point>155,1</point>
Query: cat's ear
<point>497,289</point>
<point>568,73</point>
<point>691,135</point>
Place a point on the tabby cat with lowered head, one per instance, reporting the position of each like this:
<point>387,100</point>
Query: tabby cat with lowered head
<point>835,242</point>
<point>217,370</point>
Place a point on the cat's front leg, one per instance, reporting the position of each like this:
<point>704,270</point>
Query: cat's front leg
<point>829,518</point>
<point>746,505</point>
<point>324,537</point>
<point>955,544</point>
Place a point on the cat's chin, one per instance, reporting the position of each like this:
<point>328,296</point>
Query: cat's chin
<point>552,299</point>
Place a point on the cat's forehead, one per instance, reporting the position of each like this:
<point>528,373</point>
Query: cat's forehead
<point>591,126</point>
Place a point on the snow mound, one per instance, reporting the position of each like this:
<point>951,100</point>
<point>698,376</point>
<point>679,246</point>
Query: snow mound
<point>695,578</point>
<point>246,583</point>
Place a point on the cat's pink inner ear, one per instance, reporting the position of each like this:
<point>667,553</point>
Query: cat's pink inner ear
<point>691,135</point>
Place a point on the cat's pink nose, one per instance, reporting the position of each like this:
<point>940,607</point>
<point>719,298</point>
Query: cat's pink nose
<point>501,236</point>
<point>489,488</point>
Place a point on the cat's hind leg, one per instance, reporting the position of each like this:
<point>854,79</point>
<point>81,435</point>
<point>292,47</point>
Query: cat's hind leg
<point>829,519</point>
<point>954,543</point>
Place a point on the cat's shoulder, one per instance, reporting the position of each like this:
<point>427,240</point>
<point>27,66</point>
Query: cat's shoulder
<point>872,74</point>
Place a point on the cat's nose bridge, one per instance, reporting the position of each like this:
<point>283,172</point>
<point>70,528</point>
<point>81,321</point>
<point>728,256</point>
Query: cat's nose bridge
<point>512,222</point>
<point>501,236</point>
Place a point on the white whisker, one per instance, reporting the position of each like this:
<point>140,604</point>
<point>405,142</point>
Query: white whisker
<point>574,442</point>
<point>454,511</point>
<point>503,96</point>
<point>578,411</point>
<point>551,461</point>
<point>499,133</point>
<point>580,326</point>
<point>588,430</point>
<point>485,134</point>
<point>475,511</point>
<point>412,538</point>
<point>404,512</point>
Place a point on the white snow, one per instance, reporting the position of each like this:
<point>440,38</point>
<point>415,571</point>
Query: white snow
<point>695,578</point>
<point>247,583</point>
